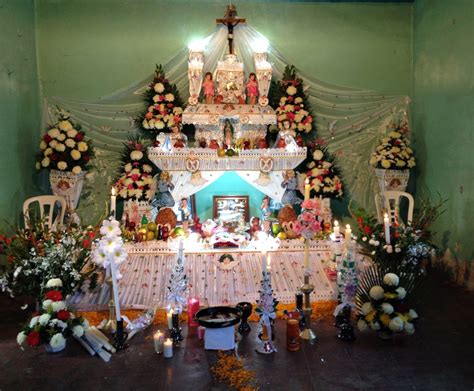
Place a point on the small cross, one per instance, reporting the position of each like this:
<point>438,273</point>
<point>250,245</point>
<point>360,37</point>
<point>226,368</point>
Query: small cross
<point>230,20</point>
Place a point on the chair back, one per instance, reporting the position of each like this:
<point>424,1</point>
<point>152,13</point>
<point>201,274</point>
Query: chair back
<point>47,205</point>
<point>389,202</point>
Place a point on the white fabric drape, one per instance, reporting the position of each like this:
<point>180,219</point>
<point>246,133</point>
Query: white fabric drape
<point>183,186</point>
<point>350,120</point>
<point>273,189</point>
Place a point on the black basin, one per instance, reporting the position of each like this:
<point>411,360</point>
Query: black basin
<point>209,317</point>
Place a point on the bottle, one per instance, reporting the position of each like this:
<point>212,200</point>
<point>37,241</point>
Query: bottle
<point>144,221</point>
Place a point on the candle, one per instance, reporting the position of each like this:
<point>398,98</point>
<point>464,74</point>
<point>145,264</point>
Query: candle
<point>306,255</point>
<point>113,202</point>
<point>386,224</point>
<point>168,348</point>
<point>169,318</point>
<point>293,335</point>
<point>337,229</point>
<point>348,233</point>
<point>306,189</point>
<point>269,262</point>
<point>158,339</point>
<point>193,308</point>
<point>115,288</point>
<point>264,259</point>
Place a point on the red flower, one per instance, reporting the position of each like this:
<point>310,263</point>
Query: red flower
<point>360,221</point>
<point>290,116</point>
<point>149,115</point>
<point>170,105</point>
<point>86,158</point>
<point>86,243</point>
<point>91,235</point>
<point>79,136</point>
<point>47,138</point>
<point>33,338</point>
<point>54,157</point>
<point>290,99</point>
<point>63,315</point>
<point>367,230</point>
<point>54,295</point>
<point>297,108</point>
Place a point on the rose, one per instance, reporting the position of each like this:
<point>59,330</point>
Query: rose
<point>63,315</point>
<point>391,279</point>
<point>57,340</point>
<point>79,136</point>
<point>76,170</point>
<point>75,154</point>
<point>376,292</point>
<point>54,295</point>
<point>21,337</point>
<point>62,165</point>
<point>33,338</point>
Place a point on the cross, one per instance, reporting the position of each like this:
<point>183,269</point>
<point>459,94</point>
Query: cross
<point>230,20</point>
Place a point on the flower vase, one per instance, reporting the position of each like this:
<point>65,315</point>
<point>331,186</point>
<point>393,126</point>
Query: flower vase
<point>392,179</point>
<point>51,349</point>
<point>67,185</point>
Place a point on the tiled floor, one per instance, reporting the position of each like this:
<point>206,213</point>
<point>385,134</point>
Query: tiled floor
<point>440,356</point>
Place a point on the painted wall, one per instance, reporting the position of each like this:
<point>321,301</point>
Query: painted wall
<point>19,106</point>
<point>444,121</point>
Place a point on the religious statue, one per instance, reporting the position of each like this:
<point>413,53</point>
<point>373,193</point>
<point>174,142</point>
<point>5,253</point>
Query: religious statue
<point>228,135</point>
<point>252,89</point>
<point>285,136</point>
<point>208,88</point>
<point>254,226</point>
<point>177,139</point>
<point>290,183</point>
<point>265,208</point>
<point>163,197</point>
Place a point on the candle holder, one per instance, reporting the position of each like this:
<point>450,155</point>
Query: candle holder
<point>120,336</point>
<point>175,331</point>
<point>307,288</point>
<point>110,325</point>
<point>299,309</point>
<point>246,309</point>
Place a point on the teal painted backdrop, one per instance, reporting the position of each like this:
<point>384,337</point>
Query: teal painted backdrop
<point>443,117</point>
<point>19,106</point>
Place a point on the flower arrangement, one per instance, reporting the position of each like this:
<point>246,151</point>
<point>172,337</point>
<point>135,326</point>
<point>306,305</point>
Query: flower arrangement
<point>394,152</point>
<point>382,305</point>
<point>165,107</point>
<point>110,245</point>
<point>37,254</point>
<point>65,148</point>
<point>136,177</point>
<point>307,223</point>
<point>54,323</point>
<point>290,102</point>
<point>323,174</point>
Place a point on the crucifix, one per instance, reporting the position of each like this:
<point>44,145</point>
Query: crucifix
<point>230,20</point>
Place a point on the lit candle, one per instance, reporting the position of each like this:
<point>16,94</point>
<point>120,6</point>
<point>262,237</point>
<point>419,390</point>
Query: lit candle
<point>337,229</point>
<point>306,189</point>
<point>348,233</point>
<point>169,318</point>
<point>158,339</point>
<point>113,202</point>
<point>193,308</point>
<point>168,348</point>
<point>386,224</point>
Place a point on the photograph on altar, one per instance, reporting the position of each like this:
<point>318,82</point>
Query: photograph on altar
<point>257,189</point>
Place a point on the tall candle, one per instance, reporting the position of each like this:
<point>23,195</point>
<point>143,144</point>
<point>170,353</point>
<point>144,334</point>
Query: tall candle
<point>113,202</point>
<point>158,340</point>
<point>348,233</point>
<point>306,255</point>
<point>169,318</point>
<point>269,262</point>
<point>264,259</point>
<point>337,229</point>
<point>386,224</point>
<point>168,348</point>
<point>115,288</point>
<point>306,189</point>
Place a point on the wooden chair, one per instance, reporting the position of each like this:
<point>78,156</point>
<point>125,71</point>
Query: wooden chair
<point>46,208</point>
<point>389,202</point>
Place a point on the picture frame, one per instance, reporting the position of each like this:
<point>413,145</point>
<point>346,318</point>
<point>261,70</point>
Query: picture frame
<point>231,210</point>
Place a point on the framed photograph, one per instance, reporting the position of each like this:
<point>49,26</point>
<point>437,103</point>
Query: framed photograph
<point>231,210</point>
<point>185,209</point>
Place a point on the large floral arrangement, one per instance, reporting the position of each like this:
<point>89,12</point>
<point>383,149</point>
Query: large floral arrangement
<point>307,224</point>
<point>54,323</point>
<point>322,172</point>
<point>394,152</point>
<point>165,106</point>
<point>38,254</point>
<point>382,304</point>
<point>136,177</point>
<point>290,102</point>
<point>65,148</point>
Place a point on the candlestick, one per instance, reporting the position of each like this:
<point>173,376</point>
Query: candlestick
<point>337,229</point>
<point>168,348</point>
<point>113,202</point>
<point>386,224</point>
<point>348,233</point>
<point>169,318</point>
<point>158,339</point>
<point>306,189</point>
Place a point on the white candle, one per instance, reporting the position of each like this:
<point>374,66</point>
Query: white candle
<point>386,224</point>
<point>113,202</point>
<point>264,259</point>
<point>348,233</point>
<point>306,189</point>
<point>269,262</point>
<point>168,348</point>
<point>115,288</point>
<point>306,255</point>
<point>169,318</point>
<point>337,229</point>
<point>158,339</point>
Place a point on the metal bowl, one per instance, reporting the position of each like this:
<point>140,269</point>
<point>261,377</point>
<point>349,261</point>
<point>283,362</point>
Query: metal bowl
<point>209,317</point>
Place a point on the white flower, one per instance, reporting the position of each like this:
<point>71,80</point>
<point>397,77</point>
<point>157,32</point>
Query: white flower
<point>169,97</point>
<point>364,239</point>
<point>70,143</point>
<point>318,154</point>
<point>412,314</point>
<point>376,292</point>
<point>291,90</point>
<point>53,132</point>
<point>376,243</point>
<point>21,337</point>
<point>401,291</point>
<point>375,326</point>
<point>60,147</point>
<point>120,255</point>
<point>62,165</point>
<point>389,249</point>
<point>82,146</point>
<point>46,304</point>
<point>387,308</point>
<point>110,244</point>
<point>409,328</point>
<point>54,282</point>
<point>65,125</point>
<point>99,256</point>
<point>75,154</point>
<point>33,322</point>
<point>85,324</point>
<point>58,323</point>
<point>45,162</point>
<point>362,325</point>
<point>366,308</point>
<point>396,324</point>
<point>72,133</point>
<point>43,145</point>
<point>391,279</point>
<point>136,155</point>
<point>110,228</point>
<point>372,242</point>
<point>62,137</point>
<point>397,249</point>
<point>78,331</point>
<point>156,98</point>
<point>44,319</point>
<point>128,167</point>
<point>57,340</point>
<point>159,87</point>
<point>76,170</point>
<point>58,306</point>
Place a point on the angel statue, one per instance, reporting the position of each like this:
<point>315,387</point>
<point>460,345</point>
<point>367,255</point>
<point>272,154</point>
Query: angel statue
<point>290,183</point>
<point>163,196</point>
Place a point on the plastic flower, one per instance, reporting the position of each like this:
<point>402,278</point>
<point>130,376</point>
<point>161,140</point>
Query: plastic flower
<point>71,133</point>
<point>169,97</point>
<point>376,292</point>
<point>76,170</point>
<point>291,90</point>
<point>62,165</point>
<point>82,146</point>
<point>318,154</point>
<point>391,279</point>
<point>396,324</point>
<point>54,133</point>
<point>45,162</point>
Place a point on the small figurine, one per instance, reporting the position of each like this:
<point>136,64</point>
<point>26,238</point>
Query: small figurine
<point>290,183</point>
<point>164,197</point>
<point>228,135</point>
<point>262,143</point>
<point>254,226</point>
<point>286,136</point>
<point>184,210</point>
<point>265,208</point>
<point>177,139</point>
<point>213,144</point>
<point>252,89</point>
<point>208,87</point>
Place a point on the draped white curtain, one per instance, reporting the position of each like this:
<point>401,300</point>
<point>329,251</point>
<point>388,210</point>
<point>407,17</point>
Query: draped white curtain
<point>351,120</point>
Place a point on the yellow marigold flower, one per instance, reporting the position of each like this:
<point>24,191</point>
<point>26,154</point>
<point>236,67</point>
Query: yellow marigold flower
<point>370,316</point>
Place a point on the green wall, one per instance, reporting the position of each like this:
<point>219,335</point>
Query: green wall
<point>19,106</point>
<point>443,116</point>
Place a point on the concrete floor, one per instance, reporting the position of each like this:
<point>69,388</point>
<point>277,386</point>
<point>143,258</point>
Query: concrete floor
<point>439,356</point>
